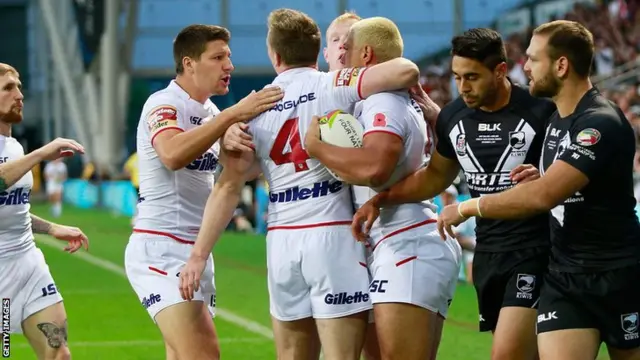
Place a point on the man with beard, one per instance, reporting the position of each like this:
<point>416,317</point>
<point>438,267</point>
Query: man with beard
<point>591,292</point>
<point>26,286</point>
<point>490,132</point>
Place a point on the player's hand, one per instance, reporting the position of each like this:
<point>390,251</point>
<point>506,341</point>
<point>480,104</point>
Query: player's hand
<point>524,173</point>
<point>256,103</point>
<point>429,108</point>
<point>237,138</point>
<point>448,218</point>
<point>58,148</point>
<point>72,235</point>
<point>190,276</point>
<point>363,220</point>
<point>313,136</point>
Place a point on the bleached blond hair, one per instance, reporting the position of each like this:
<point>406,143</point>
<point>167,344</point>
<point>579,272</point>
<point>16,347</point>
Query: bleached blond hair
<point>379,33</point>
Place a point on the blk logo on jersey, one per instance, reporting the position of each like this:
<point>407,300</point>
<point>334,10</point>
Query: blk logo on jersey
<point>151,300</point>
<point>296,193</point>
<point>629,324</point>
<point>206,162</point>
<point>15,197</point>
<point>345,298</point>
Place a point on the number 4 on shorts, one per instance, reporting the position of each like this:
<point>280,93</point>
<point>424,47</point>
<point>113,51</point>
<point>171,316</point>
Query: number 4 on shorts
<point>290,134</point>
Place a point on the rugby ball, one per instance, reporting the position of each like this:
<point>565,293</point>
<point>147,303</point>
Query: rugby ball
<point>342,129</point>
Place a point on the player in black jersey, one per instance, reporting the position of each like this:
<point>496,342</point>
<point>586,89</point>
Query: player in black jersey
<point>592,291</point>
<point>490,132</point>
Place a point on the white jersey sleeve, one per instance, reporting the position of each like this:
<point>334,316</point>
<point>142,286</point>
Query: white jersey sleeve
<point>384,112</point>
<point>343,88</point>
<point>165,112</point>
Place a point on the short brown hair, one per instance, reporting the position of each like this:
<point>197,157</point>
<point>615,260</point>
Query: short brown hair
<point>381,34</point>
<point>6,68</point>
<point>192,42</point>
<point>572,40</point>
<point>294,36</point>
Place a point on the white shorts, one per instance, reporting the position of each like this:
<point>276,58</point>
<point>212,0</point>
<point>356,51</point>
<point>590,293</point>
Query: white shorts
<point>53,188</point>
<point>153,264</point>
<point>317,272</point>
<point>416,267</point>
<point>27,282</point>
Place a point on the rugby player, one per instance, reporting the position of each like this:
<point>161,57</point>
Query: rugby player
<point>35,304</point>
<point>590,294</point>
<point>406,252</point>
<point>55,173</point>
<point>176,145</point>
<point>490,132</point>
<point>316,278</point>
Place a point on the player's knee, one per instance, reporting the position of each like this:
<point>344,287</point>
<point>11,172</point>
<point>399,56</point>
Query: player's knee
<point>511,351</point>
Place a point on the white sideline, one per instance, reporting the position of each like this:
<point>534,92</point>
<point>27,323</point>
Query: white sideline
<point>140,343</point>
<point>224,314</point>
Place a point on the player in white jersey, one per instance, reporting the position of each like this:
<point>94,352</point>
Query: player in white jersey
<point>29,295</point>
<point>55,174</point>
<point>414,272</point>
<point>176,144</point>
<point>317,272</point>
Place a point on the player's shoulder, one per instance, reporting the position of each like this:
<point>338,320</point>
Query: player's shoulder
<point>541,108</point>
<point>594,109</point>
<point>393,100</point>
<point>164,97</point>
<point>453,112</point>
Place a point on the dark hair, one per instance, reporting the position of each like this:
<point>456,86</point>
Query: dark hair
<point>192,42</point>
<point>571,40</point>
<point>480,44</point>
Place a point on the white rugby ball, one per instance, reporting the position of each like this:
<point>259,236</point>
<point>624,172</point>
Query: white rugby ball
<point>340,129</point>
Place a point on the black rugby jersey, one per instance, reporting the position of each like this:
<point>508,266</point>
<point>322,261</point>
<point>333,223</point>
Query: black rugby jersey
<point>488,146</point>
<point>597,228</point>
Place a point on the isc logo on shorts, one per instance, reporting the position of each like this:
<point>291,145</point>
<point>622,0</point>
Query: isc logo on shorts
<point>297,193</point>
<point>15,197</point>
<point>344,298</point>
<point>152,300</point>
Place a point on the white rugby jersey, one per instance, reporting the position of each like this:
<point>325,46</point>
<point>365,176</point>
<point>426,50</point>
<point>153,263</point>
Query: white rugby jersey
<point>396,113</point>
<point>56,172</point>
<point>302,193</point>
<point>172,202</point>
<point>16,235</point>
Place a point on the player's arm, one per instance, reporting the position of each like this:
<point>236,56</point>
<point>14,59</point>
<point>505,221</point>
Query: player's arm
<point>350,85</point>
<point>429,181</point>
<point>14,170</point>
<point>40,225</point>
<point>399,73</point>
<point>372,164</point>
<point>178,148</point>
<point>423,184</point>
<point>223,200</point>
<point>593,142</point>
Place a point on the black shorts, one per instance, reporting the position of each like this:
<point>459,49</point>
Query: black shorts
<point>608,301</point>
<point>510,278</point>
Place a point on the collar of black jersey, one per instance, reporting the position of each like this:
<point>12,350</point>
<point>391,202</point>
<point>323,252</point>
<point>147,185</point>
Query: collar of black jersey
<point>586,100</point>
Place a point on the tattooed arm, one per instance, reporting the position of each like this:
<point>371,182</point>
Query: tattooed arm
<point>40,225</point>
<point>14,170</point>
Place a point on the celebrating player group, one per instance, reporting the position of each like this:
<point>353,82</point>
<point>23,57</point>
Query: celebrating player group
<point>359,261</point>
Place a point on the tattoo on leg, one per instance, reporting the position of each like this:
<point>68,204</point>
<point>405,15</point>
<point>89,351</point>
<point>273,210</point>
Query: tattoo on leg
<point>56,335</point>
